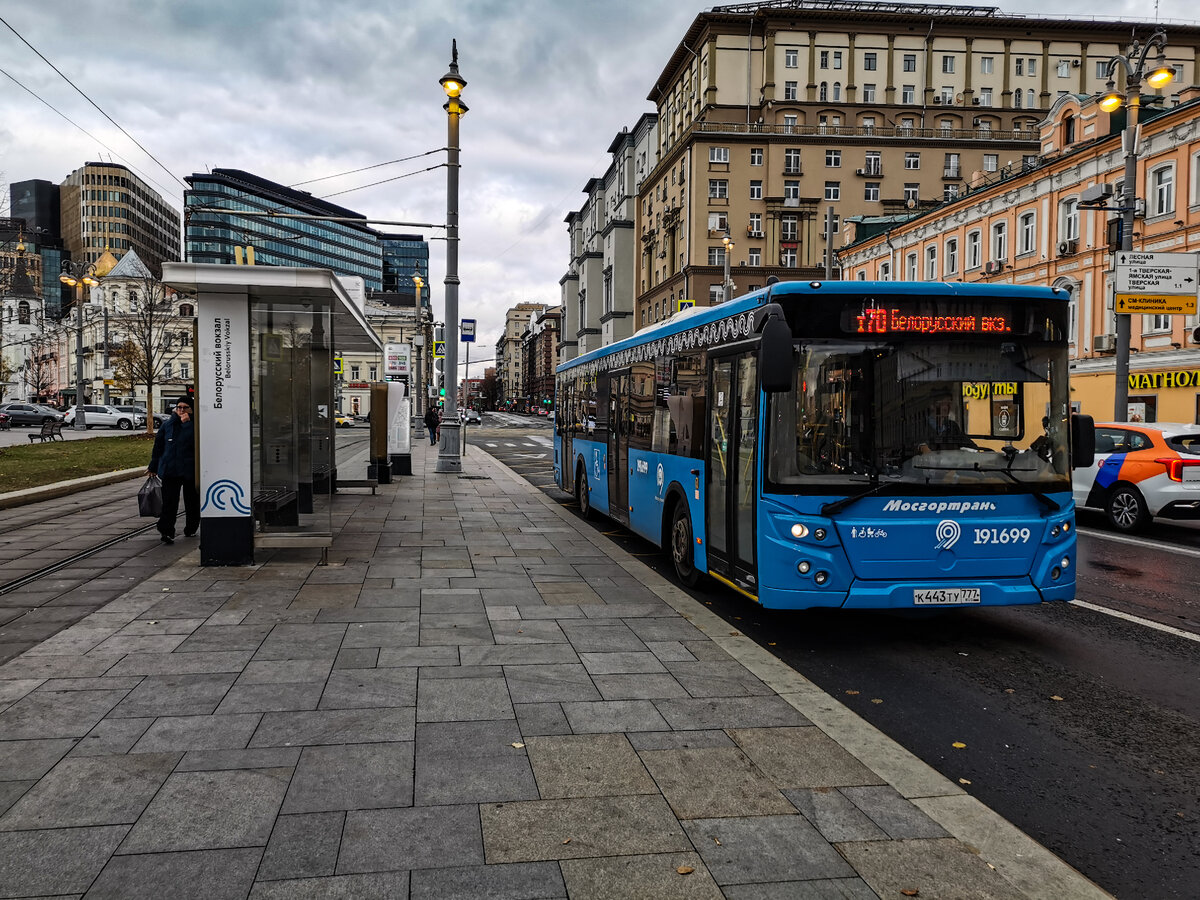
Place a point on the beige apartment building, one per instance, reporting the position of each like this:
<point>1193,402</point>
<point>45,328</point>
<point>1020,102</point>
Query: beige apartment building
<point>772,114</point>
<point>510,355</point>
<point>106,206</point>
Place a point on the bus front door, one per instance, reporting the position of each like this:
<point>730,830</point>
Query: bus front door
<point>732,471</point>
<point>618,447</point>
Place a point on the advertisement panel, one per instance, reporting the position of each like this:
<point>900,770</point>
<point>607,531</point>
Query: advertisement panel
<point>223,406</point>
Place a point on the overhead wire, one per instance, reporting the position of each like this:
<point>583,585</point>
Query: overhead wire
<point>368,168</point>
<point>91,101</point>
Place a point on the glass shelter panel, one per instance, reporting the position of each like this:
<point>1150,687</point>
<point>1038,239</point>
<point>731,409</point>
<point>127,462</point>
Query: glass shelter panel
<point>291,429</point>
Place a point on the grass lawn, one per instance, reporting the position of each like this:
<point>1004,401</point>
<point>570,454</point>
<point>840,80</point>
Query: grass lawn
<point>26,467</point>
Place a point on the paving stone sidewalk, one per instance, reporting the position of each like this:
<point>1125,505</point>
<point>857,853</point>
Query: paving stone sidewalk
<point>478,697</point>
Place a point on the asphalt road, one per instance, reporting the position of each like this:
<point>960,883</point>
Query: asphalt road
<point>1079,727</point>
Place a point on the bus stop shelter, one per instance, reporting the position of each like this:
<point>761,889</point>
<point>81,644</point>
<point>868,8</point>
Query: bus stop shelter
<point>267,340</point>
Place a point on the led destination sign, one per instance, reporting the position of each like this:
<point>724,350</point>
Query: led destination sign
<point>896,320</point>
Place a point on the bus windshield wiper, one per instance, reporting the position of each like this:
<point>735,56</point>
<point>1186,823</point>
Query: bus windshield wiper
<point>1037,492</point>
<point>837,506</point>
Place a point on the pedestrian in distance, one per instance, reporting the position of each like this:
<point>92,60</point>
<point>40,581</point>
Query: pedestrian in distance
<point>173,460</point>
<point>432,422</point>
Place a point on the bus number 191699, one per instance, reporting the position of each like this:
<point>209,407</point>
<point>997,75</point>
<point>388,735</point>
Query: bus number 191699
<point>1002,535</point>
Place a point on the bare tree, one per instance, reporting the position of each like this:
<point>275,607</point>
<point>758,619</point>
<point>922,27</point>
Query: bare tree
<point>146,322</point>
<point>41,365</point>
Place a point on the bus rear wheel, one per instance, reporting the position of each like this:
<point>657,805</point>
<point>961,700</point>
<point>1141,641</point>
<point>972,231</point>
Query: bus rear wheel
<point>582,494</point>
<point>683,547</point>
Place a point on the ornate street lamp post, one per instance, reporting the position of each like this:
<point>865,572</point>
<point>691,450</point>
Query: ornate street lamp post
<point>449,456</point>
<point>1133,64</point>
<point>727,286</point>
<point>419,350</point>
<point>76,274</point>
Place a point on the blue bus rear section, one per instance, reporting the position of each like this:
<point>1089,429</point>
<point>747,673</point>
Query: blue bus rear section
<point>889,543</point>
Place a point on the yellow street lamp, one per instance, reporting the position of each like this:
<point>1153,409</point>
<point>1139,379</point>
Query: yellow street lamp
<point>727,286</point>
<point>1136,71</point>
<point>78,275</point>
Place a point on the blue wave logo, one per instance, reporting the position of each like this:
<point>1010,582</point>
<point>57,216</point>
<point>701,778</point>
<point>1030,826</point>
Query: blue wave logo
<point>225,495</point>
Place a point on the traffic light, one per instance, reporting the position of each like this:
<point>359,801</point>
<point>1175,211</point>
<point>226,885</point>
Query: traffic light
<point>441,392</point>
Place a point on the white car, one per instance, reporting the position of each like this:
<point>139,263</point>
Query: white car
<point>471,416</point>
<point>107,416</point>
<point>1142,470</point>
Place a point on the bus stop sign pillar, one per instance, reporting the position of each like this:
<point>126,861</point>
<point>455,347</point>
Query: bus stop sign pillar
<point>379,467</point>
<point>399,428</point>
<point>223,429</point>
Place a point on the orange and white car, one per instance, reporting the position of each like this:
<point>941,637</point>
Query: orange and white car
<point>1142,470</point>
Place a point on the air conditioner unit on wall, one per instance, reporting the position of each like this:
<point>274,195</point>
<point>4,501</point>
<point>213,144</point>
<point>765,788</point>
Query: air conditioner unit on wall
<point>1067,248</point>
<point>993,266</point>
<point>1104,343</point>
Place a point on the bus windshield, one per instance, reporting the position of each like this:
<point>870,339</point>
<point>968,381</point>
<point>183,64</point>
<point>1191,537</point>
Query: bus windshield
<point>970,412</point>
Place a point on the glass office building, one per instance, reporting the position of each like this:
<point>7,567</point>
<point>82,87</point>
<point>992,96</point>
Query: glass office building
<point>215,227</point>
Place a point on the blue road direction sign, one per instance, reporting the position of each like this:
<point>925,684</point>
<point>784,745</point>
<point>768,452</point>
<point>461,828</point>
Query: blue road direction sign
<point>468,331</point>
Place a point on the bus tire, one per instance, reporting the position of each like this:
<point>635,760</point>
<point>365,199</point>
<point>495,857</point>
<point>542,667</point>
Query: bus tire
<point>683,546</point>
<point>1126,508</point>
<point>582,494</point>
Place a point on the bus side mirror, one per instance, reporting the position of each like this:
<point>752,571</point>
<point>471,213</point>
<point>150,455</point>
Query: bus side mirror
<point>775,356</point>
<point>1083,441</point>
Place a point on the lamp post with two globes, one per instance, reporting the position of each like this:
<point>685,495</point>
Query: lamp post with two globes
<point>449,455</point>
<point>78,274</point>
<point>1133,64</point>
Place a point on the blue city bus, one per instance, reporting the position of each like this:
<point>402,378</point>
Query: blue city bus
<point>867,445</point>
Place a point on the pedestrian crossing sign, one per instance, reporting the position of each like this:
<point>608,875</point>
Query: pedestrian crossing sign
<point>337,365</point>
<point>686,304</point>
<point>439,349</point>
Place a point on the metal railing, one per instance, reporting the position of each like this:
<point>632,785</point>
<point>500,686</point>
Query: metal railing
<point>941,134</point>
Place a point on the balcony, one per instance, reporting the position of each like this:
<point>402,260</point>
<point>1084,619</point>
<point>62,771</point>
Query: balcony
<point>792,170</point>
<point>971,135</point>
<point>952,173</point>
<point>875,171</point>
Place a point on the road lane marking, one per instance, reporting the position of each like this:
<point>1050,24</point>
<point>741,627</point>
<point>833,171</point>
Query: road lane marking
<point>1139,542</point>
<point>1157,626</point>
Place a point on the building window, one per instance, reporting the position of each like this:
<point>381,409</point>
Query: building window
<point>991,162</point>
<point>985,96</point>
<point>1031,67</point>
<point>885,271</point>
<point>910,62</point>
<point>755,223</point>
<point>1162,183</point>
<point>791,161</point>
<point>987,65</point>
<point>718,189</point>
<point>1020,64</point>
<point>910,267</point>
<point>833,159</point>
<point>755,190</point>
<point>788,228</point>
<point>951,256</point>
<point>912,160</point>
<point>833,190</point>
<point>1102,68</point>
<point>718,221</point>
<point>908,93</point>
<point>823,92</point>
<point>1070,220</point>
<point>791,190</point>
<point>787,257</point>
<point>718,154</point>
<point>1017,97</point>
<point>874,163</point>
<point>756,156</point>
<point>912,192</point>
<point>949,192</point>
<point>948,65</point>
<point>789,122</point>
<point>168,371</point>
<point>837,59</point>
<point>931,266</point>
<point>953,167</point>
<point>974,250</point>
<point>791,59</point>
<point>1063,68</point>
<point>1000,241</point>
<point>1028,232</point>
<point>868,123</point>
<point>870,62</point>
<point>715,294</point>
<point>789,90</point>
<point>868,93</point>
<point>824,59</point>
<point>754,256</point>
<point>184,370</point>
<point>834,220</point>
<point>837,90</point>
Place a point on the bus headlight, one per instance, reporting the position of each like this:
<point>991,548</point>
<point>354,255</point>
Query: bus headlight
<point>1055,572</point>
<point>821,577</point>
<point>803,567</point>
<point>799,530</point>
<point>1066,526</point>
<point>1065,562</point>
<point>819,534</point>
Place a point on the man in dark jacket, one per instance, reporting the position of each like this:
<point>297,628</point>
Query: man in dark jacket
<point>432,421</point>
<point>174,461</point>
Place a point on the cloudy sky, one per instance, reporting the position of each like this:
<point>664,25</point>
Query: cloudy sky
<point>295,90</point>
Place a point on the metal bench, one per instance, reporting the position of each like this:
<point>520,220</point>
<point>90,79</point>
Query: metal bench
<point>49,432</point>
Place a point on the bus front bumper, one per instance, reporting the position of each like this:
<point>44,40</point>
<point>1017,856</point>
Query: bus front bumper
<point>930,594</point>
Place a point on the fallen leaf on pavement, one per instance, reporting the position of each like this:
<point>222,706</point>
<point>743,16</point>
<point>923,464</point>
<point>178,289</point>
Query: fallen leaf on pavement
<point>567,841</point>
<point>685,870</point>
<point>1056,697</point>
<point>963,781</point>
<point>910,892</point>
<point>876,700</point>
<point>959,745</point>
<point>1009,691</point>
<point>851,692</point>
<point>736,633</point>
<point>518,744</point>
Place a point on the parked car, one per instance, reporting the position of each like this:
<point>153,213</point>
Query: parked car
<point>159,418</point>
<point>1142,470</point>
<point>30,413</point>
<point>95,416</point>
<point>341,420</point>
